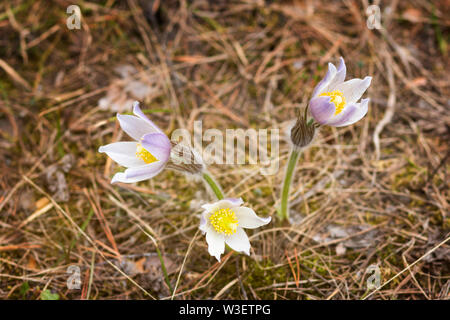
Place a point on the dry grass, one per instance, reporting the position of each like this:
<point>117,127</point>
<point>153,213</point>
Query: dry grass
<point>373,193</point>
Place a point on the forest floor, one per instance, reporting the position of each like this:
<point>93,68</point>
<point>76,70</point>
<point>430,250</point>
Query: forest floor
<point>368,199</point>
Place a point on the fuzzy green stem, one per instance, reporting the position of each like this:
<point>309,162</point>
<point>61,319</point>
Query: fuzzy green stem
<point>284,210</point>
<point>214,185</point>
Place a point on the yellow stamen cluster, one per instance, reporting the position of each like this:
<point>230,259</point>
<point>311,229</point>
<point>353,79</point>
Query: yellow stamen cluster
<point>337,97</point>
<point>224,221</point>
<point>143,154</point>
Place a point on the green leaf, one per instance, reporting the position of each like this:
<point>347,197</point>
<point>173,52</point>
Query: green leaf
<point>24,289</point>
<point>48,295</point>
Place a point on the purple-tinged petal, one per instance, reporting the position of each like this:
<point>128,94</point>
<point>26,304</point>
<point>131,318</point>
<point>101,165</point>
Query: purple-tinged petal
<point>323,84</point>
<point>136,174</point>
<point>158,145</point>
<point>202,225</point>
<point>354,89</point>
<point>239,241</point>
<point>124,153</point>
<point>137,111</point>
<point>342,70</point>
<point>339,78</point>
<point>134,126</point>
<point>322,109</point>
<point>346,115</point>
<point>247,218</point>
<point>363,107</point>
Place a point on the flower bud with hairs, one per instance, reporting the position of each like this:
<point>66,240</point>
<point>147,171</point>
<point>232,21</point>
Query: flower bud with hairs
<point>185,159</point>
<point>303,132</point>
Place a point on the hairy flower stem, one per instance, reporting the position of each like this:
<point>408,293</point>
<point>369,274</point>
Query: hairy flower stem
<point>215,187</point>
<point>284,210</point>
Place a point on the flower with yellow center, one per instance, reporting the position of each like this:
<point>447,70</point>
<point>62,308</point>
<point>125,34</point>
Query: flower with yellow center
<point>334,101</point>
<point>223,222</point>
<point>146,156</point>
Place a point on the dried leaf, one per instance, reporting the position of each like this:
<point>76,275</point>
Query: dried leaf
<point>32,263</point>
<point>413,15</point>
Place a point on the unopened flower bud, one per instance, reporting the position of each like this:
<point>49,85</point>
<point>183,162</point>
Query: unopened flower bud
<point>302,133</point>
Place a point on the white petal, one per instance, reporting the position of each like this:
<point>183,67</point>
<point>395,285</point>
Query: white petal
<point>239,241</point>
<point>341,71</point>
<point>124,153</point>
<point>247,218</point>
<point>216,243</point>
<point>222,204</point>
<point>323,84</point>
<point>235,202</point>
<point>209,207</point>
<point>141,173</point>
<point>134,126</point>
<point>354,89</point>
<point>361,111</point>
<point>137,111</point>
<point>340,76</point>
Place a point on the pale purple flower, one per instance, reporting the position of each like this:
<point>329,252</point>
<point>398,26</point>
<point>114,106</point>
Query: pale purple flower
<point>146,156</point>
<point>335,102</point>
<point>223,222</point>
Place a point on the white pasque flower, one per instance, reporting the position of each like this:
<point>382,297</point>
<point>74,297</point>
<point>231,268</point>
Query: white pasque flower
<point>335,102</point>
<point>223,222</point>
<point>146,156</point>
